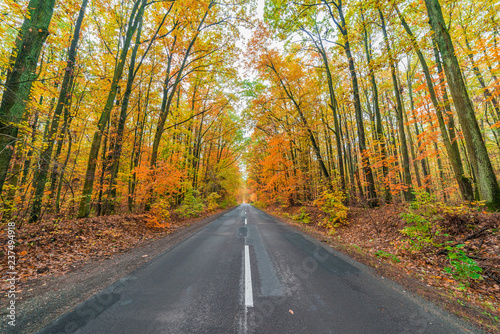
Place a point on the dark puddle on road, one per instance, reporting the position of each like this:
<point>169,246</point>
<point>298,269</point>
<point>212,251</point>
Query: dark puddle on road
<point>242,232</point>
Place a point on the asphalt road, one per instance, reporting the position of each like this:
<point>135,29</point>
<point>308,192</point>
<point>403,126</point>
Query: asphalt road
<point>248,273</point>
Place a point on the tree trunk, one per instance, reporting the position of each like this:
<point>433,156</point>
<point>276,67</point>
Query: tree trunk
<point>408,194</point>
<point>27,162</point>
<point>103,170</point>
<point>488,187</point>
<point>23,64</point>
<point>451,145</point>
<point>61,178</point>
<point>306,126</point>
<point>57,169</point>
<point>136,152</point>
<point>113,159</point>
<point>333,106</point>
<point>425,171</point>
<point>372,199</point>
<point>169,92</point>
<point>45,158</point>
<point>135,16</point>
<point>378,117</point>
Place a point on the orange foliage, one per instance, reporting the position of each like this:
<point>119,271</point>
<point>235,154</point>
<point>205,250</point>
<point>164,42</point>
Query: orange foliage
<point>164,181</point>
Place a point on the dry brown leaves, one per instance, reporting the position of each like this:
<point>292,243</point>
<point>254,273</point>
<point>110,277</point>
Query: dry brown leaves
<point>54,247</point>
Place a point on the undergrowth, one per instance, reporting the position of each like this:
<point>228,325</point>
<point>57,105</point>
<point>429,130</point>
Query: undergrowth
<point>191,206</point>
<point>331,202</point>
<point>424,232</point>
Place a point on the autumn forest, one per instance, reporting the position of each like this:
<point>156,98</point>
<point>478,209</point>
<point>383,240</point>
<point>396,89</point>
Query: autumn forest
<point>131,105</point>
<point>179,108</point>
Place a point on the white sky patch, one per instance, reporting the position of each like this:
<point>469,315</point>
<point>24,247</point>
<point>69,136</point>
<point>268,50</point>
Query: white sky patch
<point>246,35</point>
<point>259,14</point>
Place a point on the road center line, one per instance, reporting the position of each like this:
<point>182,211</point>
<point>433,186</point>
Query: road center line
<point>245,221</point>
<point>248,279</point>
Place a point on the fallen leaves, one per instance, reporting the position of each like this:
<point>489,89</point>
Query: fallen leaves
<point>55,247</point>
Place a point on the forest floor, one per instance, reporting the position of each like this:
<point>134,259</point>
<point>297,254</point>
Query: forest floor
<point>373,237</point>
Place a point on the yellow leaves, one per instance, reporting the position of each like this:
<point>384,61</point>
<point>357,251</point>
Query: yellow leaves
<point>331,202</point>
<point>113,233</point>
<point>159,216</point>
<point>274,170</point>
<point>422,86</point>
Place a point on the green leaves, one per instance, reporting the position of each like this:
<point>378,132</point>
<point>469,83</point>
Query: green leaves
<point>392,257</point>
<point>419,231</point>
<point>302,216</point>
<point>252,88</point>
<point>286,18</point>
<point>192,205</point>
<point>463,268</point>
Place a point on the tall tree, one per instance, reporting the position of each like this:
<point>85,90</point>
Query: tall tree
<point>451,145</point>
<point>289,93</point>
<point>135,17</point>
<point>376,105</point>
<point>113,158</point>
<point>399,114</point>
<point>22,67</point>
<point>319,45</point>
<point>169,90</point>
<point>365,161</point>
<point>63,100</point>
<point>487,183</point>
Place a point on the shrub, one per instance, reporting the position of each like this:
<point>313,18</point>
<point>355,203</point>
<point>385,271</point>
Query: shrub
<point>259,204</point>
<point>331,202</point>
<point>424,200</point>
<point>212,202</point>
<point>392,257</point>
<point>425,217</point>
<point>159,215</point>
<point>420,217</point>
<point>462,267</point>
<point>302,216</point>
<point>228,202</point>
<point>191,206</point>
<point>419,230</point>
